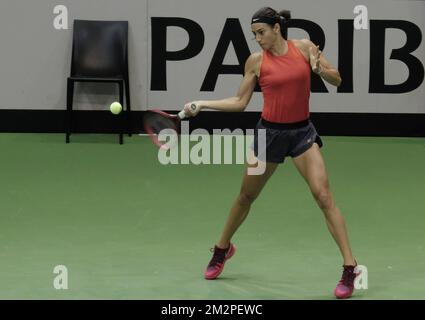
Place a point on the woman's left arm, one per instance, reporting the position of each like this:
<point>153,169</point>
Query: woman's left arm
<point>321,66</point>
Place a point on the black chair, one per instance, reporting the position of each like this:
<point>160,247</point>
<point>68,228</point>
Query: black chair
<point>100,54</point>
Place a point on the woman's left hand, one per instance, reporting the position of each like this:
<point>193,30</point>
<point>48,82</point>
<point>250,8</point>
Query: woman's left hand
<point>315,59</point>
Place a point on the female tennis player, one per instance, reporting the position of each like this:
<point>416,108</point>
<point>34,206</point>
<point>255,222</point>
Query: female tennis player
<point>283,70</point>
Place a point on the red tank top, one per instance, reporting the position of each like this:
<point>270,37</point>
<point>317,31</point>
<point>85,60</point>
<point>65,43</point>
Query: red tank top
<point>285,82</point>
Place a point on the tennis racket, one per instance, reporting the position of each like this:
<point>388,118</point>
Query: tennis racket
<point>155,121</point>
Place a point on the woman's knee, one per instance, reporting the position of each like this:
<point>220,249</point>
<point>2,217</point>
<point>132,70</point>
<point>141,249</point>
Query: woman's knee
<point>323,197</point>
<point>246,198</point>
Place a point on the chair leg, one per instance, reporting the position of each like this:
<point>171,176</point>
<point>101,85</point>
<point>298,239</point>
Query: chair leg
<point>121,118</point>
<point>69,102</point>
<point>128,103</point>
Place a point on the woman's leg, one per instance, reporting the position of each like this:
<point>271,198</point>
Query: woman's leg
<point>250,189</point>
<point>312,167</point>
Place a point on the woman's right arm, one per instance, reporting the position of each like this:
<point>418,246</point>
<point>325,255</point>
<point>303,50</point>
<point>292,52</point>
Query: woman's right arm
<point>243,96</point>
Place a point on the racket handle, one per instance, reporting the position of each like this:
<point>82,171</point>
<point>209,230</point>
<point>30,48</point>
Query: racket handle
<point>182,115</point>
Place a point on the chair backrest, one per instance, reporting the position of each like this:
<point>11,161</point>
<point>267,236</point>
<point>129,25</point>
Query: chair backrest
<point>99,49</point>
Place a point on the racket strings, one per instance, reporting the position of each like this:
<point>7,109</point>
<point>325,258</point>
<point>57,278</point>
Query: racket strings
<point>157,123</point>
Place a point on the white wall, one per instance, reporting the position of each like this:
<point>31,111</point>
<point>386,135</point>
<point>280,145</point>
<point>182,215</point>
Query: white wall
<point>35,57</point>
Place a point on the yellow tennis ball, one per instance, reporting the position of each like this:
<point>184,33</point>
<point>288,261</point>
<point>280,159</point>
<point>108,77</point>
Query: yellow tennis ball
<point>116,107</point>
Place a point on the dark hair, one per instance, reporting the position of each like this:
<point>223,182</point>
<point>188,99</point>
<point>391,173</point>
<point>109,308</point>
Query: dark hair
<point>280,17</point>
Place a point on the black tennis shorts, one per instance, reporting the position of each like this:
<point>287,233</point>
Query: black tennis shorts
<point>284,139</point>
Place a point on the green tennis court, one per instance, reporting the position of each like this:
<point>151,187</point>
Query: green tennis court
<point>127,227</point>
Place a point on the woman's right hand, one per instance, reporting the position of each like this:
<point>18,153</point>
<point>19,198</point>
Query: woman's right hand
<point>192,109</point>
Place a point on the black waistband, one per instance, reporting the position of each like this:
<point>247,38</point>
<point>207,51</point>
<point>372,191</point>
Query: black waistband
<point>280,126</point>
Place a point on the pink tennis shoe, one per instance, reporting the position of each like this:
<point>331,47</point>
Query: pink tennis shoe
<point>216,264</point>
<point>345,287</point>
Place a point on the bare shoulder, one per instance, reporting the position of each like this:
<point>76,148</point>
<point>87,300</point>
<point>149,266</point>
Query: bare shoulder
<point>254,58</point>
<point>303,45</point>
<point>253,63</point>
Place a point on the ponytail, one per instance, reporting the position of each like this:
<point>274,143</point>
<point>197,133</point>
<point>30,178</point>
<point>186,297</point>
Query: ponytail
<point>285,16</point>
